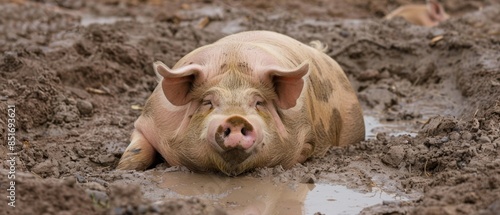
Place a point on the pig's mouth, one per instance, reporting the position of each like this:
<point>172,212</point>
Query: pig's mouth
<point>235,156</point>
<point>234,146</point>
<point>234,162</point>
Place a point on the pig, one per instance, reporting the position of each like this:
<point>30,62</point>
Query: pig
<point>428,15</point>
<point>252,99</point>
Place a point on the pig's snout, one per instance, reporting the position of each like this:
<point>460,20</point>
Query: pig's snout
<point>235,133</point>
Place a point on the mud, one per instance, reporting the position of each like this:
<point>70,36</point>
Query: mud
<point>78,73</point>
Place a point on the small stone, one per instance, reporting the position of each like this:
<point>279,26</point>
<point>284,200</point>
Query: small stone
<point>98,196</point>
<point>444,139</point>
<point>394,156</point>
<point>475,125</point>
<point>80,178</point>
<point>385,74</point>
<point>369,74</point>
<point>467,135</point>
<point>381,136</point>
<point>454,136</point>
<point>452,164</point>
<point>391,202</point>
<point>344,34</point>
<point>484,139</point>
<point>70,101</point>
<point>73,133</point>
<point>85,107</point>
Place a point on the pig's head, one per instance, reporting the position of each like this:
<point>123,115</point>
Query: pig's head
<point>234,115</point>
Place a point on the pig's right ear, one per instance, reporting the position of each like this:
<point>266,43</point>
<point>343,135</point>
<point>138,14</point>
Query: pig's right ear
<point>177,83</point>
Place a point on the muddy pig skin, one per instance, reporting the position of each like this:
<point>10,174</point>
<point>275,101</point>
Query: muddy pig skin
<point>251,99</point>
<point>428,15</point>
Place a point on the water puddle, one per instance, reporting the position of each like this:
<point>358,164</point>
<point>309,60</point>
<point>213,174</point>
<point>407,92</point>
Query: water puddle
<point>87,19</point>
<point>247,195</point>
<point>337,199</point>
<point>374,126</point>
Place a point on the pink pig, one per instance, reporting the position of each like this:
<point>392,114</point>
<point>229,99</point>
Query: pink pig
<point>429,15</point>
<point>252,99</point>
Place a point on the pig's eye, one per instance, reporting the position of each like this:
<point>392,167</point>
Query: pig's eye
<point>206,103</point>
<point>259,104</point>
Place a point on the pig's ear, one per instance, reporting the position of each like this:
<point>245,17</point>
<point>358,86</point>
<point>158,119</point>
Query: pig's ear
<point>288,84</point>
<point>435,9</point>
<point>177,83</point>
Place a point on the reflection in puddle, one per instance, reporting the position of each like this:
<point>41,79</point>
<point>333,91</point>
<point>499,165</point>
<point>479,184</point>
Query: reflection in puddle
<point>374,126</point>
<point>247,195</point>
<point>336,199</point>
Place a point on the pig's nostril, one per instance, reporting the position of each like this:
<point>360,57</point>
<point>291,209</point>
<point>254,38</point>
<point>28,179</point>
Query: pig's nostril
<point>244,131</point>
<point>227,132</point>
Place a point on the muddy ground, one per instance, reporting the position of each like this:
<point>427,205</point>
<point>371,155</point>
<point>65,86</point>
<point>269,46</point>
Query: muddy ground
<point>78,73</point>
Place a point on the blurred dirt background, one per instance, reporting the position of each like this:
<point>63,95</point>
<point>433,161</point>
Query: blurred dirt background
<point>79,72</point>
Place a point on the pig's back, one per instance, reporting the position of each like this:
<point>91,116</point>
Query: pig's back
<point>272,42</point>
<point>329,102</point>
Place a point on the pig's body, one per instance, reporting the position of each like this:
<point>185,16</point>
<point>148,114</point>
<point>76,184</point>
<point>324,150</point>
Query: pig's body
<point>250,100</point>
<point>428,15</point>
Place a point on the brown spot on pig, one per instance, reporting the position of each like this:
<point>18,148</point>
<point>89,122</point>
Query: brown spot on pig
<point>335,125</point>
<point>322,89</point>
<point>344,82</point>
<point>310,106</point>
<point>136,150</point>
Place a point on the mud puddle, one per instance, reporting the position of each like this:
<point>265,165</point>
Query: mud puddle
<point>411,119</point>
<point>248,195</point>
<point>87,19</point>
<point>374,126</point>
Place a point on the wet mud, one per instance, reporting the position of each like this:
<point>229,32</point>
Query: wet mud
<point>79,72</point>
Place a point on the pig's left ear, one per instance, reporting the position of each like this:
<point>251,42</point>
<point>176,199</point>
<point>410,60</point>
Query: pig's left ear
<point>288,84</point>
<point>177,83</point>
